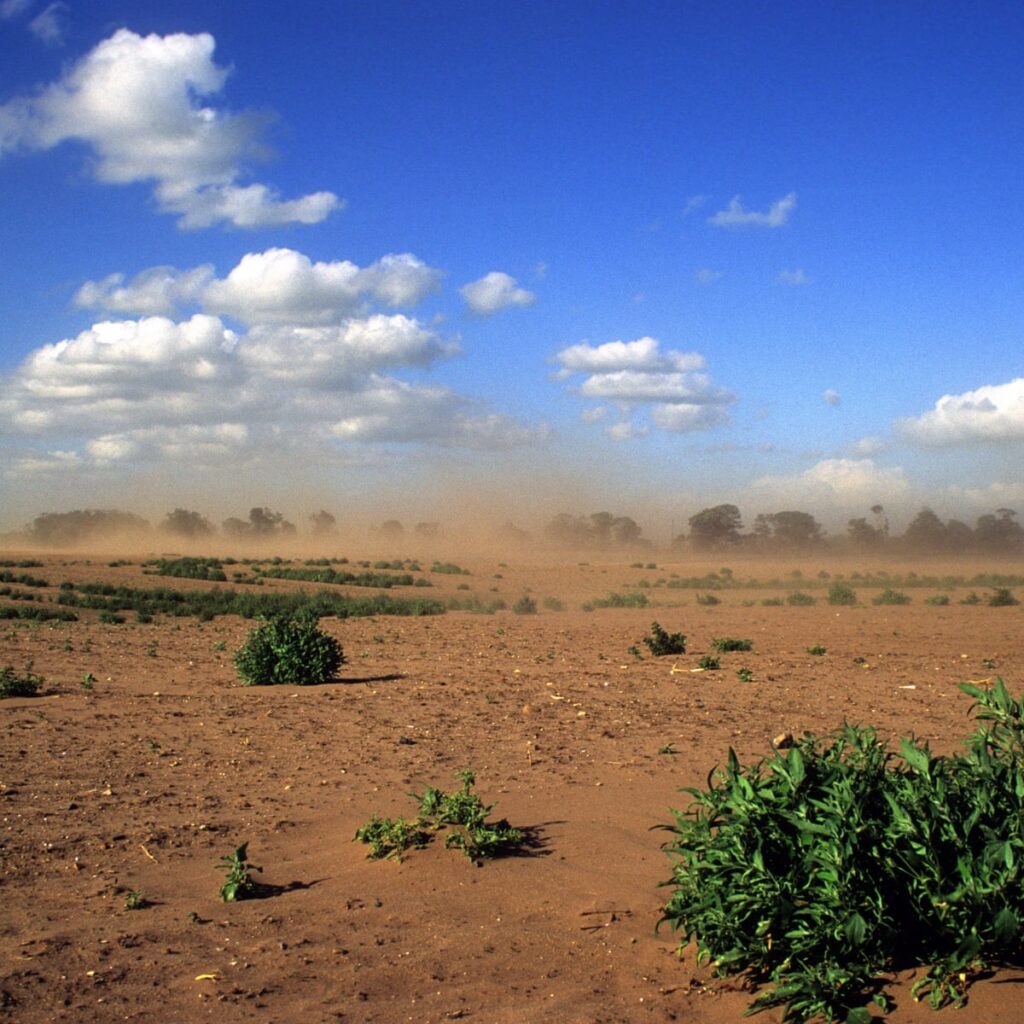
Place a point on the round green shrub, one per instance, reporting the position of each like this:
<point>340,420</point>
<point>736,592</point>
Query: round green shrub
<point>289,651</point>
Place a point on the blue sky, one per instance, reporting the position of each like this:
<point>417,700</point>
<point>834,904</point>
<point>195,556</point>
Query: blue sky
<point>555,257</point>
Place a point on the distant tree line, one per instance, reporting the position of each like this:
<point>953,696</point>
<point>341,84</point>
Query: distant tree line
<point>720,528</point>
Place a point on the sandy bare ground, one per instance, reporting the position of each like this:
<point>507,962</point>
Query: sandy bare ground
<point>167,764</point>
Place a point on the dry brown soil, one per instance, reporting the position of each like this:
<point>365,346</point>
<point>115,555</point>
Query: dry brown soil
<point>167,764</point>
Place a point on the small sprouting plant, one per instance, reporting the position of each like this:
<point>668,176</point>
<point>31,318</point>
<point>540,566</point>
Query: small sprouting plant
<point>88,681</point>
<point>661,643</point>
<point>136,900</point>
<point>709,662</point>
<point>723,644</point>
<point>526,605</point>
<point>239,884</point>
<point>842,594</point>
<point>25,685</point>
<point>289,651</point>
<point>817,650</point>
<point>635,651</point>
<point>667,748</point>
<point>744,675</point>
<point>988,663</point>
<point>462,811</point>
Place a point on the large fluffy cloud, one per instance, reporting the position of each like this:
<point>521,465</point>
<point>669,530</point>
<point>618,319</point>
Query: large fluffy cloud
<point>991,413</point>
<point>277,286</point>
<point>493,292</point>
<point>638,375</point>
<point>141,105</point>
<point>152,390</point>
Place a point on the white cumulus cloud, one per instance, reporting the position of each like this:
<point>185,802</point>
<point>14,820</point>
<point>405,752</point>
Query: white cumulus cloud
<point>837,482</point>
<point>832,397</point>
<point>991,413</point>
<point>493,292</point>
<point>155,391</point>
<point>141,104</point>
<point>279,286</point>
<point>639,375</point>
<point>736,216</point>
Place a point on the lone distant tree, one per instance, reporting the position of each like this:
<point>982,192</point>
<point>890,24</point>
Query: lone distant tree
<point>183,523</point>
<point>863,535</point>
<point>324,524</point>
<point>926,532</point>
<point>715,528</point>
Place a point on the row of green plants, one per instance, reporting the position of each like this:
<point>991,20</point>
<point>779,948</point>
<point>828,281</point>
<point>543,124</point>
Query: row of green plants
<point>207,604</point>
<point>380,580</point>
<point>725,580</point>
<point>821,868</point>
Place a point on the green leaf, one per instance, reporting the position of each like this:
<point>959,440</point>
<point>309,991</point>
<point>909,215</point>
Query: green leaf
<point>855,929</point>
<point>859,1015</point>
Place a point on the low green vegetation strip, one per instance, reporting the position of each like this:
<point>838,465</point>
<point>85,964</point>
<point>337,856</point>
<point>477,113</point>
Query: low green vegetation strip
<point>206,604</point>
<point>822,867</point>
<point>381,580</point>
<point>188,568</point>
<point>36,613</point>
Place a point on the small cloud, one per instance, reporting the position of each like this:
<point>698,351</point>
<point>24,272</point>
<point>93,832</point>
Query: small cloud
<point>669,385</point>
<point>694,203</point>
<point>594,415</point>
<point>49,25</point>
<point>10,9</point>
<point>831,397</point>
<point>867,447</point>
<point>706,276</point>
<point>625,431</point>
<point>795,277</point>
<point>493,292</point>
<point>735,216</point>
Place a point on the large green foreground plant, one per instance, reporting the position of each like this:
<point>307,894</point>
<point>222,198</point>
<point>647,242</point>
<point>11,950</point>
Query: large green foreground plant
<point>286,650</point>
<point>823,866</point>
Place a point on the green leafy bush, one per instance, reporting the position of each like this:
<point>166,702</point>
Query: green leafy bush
<point>890,596</point>
<point>526,605</point>
<point>660,642</point>
<point>710,662</point>
<point>798,599</point>
<point>842,594</point>
<point>1002,598</point>
<point>817,650</point>
<point>288,650</point>
<point>937,599</point>
<point>822,866</point>
<point>25,685</point>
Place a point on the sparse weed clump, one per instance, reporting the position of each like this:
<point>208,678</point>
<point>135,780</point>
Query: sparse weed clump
<point>890,596</point>
<point>842,594</point>
<point>1001,597</point>
<point>798,599</point>
<point>724,644</point>
<point>661,643</point>
<point>635,599</point>
<point>25,685</point>
<point>817,650</point>
<point>710,663</point>
<point>462,812</point>
<point>708,599</point>
<point>526,605</point>
<point>839,859</point>
<point>554,604</point>
<point>937,600</point>
<point>289,651</point>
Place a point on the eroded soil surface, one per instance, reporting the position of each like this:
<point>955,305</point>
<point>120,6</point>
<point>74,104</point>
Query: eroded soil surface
<point>145,761</point>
